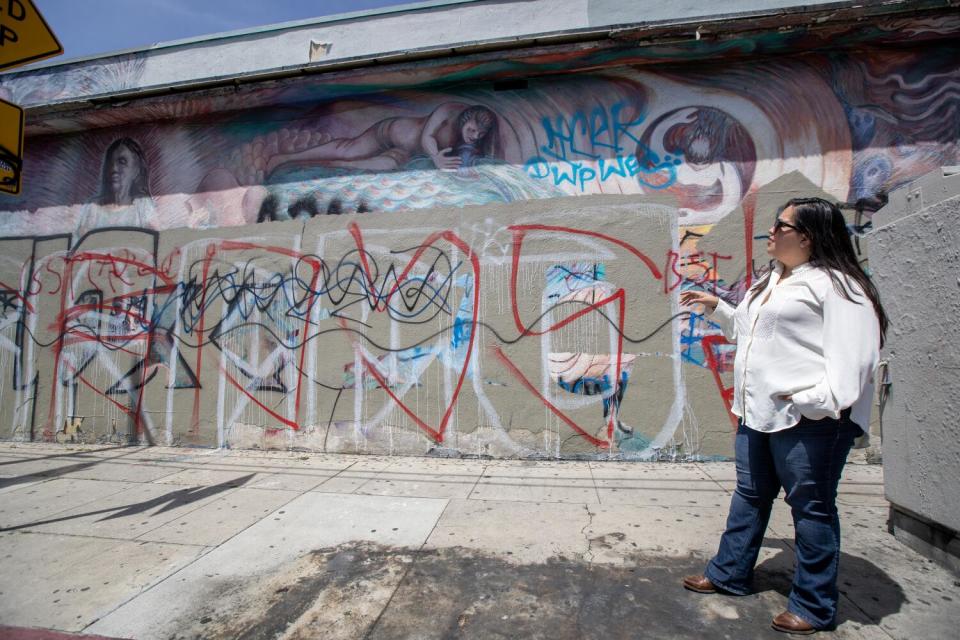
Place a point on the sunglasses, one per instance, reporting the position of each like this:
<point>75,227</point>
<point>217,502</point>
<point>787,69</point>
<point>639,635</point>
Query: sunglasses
<point>780,224</point>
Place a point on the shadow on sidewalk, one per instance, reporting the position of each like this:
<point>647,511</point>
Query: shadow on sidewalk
<point>871,594</point>
<point>166,502</point>
<point>52,456</point>
<point>54,473</point>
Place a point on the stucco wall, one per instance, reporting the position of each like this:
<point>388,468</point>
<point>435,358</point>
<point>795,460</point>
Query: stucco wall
<point>915,255</point>
<point>97,317</point>
<point>522,330</point>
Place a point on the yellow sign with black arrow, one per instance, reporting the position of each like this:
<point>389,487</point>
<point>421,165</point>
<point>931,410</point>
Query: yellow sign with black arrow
<point>24,34</point>
<point>11,146</point>
<point>24,37</point>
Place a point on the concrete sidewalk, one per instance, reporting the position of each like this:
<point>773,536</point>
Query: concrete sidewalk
<point>158,542</point>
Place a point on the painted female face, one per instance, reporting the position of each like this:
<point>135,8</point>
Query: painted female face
<point>472,132</point>
<point>122,168</point>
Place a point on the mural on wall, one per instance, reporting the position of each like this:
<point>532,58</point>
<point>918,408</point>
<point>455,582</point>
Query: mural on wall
<point>245,325</point>
<point>853,125</point>
<point>150,69</point>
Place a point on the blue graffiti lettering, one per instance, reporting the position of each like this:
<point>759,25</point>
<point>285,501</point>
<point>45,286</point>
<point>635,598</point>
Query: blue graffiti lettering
<point>614,151</point>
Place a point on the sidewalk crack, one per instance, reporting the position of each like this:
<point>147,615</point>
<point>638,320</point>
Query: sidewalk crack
<point>586,536</point>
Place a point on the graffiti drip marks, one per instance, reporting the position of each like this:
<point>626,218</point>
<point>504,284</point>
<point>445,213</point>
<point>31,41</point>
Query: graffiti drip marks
<point>395,339</point>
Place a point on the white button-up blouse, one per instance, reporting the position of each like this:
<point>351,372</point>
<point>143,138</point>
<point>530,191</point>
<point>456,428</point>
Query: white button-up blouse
<point>801,338</point>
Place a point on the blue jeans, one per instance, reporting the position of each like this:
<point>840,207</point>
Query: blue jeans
<point>806,460</point>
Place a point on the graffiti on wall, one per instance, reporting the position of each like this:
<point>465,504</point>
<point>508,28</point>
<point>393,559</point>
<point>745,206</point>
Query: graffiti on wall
<point>562,161</point>
<point>490,336</point>
<point>377,336</point>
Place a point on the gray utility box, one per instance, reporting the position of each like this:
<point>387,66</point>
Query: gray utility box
<point>915,263</point>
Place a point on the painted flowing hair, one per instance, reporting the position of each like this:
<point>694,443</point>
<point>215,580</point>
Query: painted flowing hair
<point>831,248</point>
<point>486,119</point>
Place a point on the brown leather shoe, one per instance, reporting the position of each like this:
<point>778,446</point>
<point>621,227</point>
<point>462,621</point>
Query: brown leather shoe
<point>700,584</point>
<point>790,623</point>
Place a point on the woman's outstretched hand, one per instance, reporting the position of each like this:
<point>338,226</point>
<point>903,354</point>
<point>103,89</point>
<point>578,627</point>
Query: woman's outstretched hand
<point>690,297</point>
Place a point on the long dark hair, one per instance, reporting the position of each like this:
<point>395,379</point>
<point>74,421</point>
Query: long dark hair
<point>830,248</point>
<point>141,184</point>
<point>486,119</point>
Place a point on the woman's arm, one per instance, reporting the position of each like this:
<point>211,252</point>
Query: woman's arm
<point>725,316</point>
<point>851,350</point>
<point>429,142</point>
<point>719,311</point>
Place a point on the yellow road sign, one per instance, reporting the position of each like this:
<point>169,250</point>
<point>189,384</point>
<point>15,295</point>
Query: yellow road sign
<point>11,146</point>
<point>24,34</point>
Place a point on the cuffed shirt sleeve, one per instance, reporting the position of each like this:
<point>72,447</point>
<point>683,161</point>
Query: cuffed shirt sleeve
<point>725,316</point>
<point>851,344</point>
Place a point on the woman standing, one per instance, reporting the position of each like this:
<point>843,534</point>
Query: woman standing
<point>808,337</point>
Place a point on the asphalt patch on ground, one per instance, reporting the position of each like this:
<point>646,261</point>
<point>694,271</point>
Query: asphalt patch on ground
<point>365,590</point>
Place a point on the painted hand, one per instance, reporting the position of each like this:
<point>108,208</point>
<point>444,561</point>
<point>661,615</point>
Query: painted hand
<point>444,161</point>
